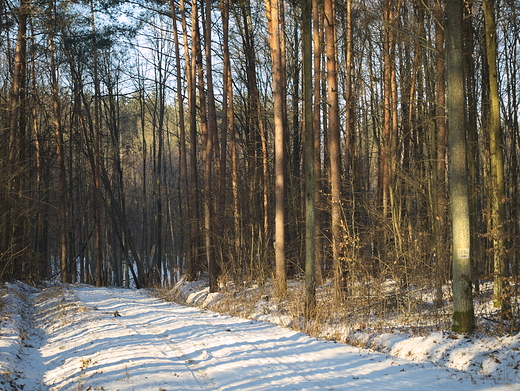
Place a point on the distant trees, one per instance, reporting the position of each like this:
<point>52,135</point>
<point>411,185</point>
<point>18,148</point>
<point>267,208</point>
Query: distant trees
<point>189,144</point>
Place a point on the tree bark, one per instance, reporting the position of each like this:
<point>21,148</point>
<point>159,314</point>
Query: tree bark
<point>317,38</point>
<point>498,195</point>
<point>182,144</point>
<point>14,247</point>
<point>273,20</point>
<point>60,158</point>
<point>334,144</point>
<point>96,182</point>
<point>209,151</point>
<point>439,187</point>
<point>310,207</point>
<point>463,312</point>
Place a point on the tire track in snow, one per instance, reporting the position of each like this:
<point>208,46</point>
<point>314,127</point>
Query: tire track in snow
<point>217,357</point>
<point>231,354</point>
<point>125,303</point>
<point>225,356</point>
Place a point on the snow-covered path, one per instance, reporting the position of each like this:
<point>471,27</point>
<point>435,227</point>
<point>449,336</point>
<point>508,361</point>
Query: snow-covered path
<point>121,339</point>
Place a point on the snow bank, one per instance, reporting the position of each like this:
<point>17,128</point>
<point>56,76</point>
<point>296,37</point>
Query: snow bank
<point>496,357</point>
<point>14,323</point>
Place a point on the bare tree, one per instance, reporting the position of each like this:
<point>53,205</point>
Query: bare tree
<point>208,155</point>
<point>463,313</point>
<point>496,148</point>
<point>334,143</point>
<point>185,215</point>
<point>65,272</point>
<point>96,176</point>
<point>273,21</point>
<point>310,205</point>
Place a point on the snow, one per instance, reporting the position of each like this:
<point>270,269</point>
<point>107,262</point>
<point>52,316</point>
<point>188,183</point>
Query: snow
<point>79,337</point>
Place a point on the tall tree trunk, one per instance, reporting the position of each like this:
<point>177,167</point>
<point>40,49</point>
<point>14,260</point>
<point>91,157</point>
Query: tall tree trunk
<point>97,158</point>
<point>334,144</point>
<point>439,188</point>
<point>65,272</point>
<point>385,170</point>
<point>463,313</point>
<point>226,82</point>
<point>209,151</point>
<point>473,147</point>
<point>238,242</point>
<point>182,143</point>
<point>496,148</point>
<point>114,127</point>
<point>41,221</point>
<point>253,210</point>
<point>317,38</point>
<point>158,117</point>
<point>394,15</point>
<point>310,207</point>
<point>234,175</point>
<point>389,176</point>
<point>14,248</point>
<point>192,106</point>
<point>349,103</point>
<point>257,146</point>
<point>273,21</point>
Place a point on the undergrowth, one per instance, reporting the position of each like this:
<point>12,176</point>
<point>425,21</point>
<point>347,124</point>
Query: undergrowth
<point>369,308</point>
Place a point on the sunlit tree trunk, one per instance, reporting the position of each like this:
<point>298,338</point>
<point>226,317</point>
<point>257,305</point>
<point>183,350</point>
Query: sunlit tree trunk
<point>273,20</point>
<point>234,174</point>
<point>192,107</point>
<point>496,148</point>
<point>394,15</point>
<point>439,187</point>
<point>190,203</point>
<point>310,207</point>
<point>511,57</point>
<point>258,148</point>
<point>463,313</point>
<point>473,147</point>
<point>334,143</point>
<point>386,125</point>
<point>317,37</point>
<point>208,155</point>
<point>185,212</point>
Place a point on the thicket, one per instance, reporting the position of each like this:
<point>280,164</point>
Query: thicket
<point>137,145</point>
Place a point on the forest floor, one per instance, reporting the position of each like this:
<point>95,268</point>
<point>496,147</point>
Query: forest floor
<point>78,337</point>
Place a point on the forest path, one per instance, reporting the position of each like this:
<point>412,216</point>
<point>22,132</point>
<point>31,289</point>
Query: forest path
<point>122,339</point>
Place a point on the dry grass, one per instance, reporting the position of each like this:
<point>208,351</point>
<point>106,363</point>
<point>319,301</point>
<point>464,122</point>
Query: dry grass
<point>369,306</point>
